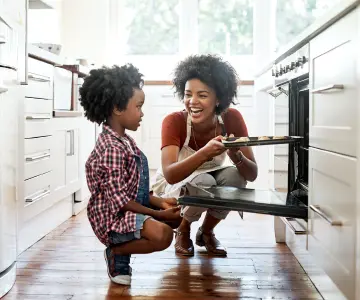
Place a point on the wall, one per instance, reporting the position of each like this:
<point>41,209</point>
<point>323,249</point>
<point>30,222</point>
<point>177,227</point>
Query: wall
<point>85,29</point>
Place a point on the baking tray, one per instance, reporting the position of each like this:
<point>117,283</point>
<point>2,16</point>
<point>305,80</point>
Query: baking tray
<point>246,200</point>
<point>254,141</point>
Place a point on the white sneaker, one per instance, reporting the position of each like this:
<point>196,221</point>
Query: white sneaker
<point>122,277</point>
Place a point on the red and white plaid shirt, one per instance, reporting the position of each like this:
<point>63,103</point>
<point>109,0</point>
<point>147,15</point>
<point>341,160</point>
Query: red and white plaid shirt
<point>113,179</point>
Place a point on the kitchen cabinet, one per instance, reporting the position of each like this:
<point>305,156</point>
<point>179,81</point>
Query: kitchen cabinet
<point>334,86</point>
<point>65,157</point>
<point>332,221</point>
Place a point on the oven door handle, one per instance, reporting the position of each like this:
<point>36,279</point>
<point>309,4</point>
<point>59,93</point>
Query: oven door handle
<point>316,208</point>
<point>328,88</point>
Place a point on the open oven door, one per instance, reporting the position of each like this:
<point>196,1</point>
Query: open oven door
<point>245,200</point>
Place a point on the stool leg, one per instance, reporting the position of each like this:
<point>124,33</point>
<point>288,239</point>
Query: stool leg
<point>241,214</point>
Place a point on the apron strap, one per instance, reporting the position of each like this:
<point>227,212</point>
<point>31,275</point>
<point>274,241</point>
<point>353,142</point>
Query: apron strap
<point>223,129</point>
<point>188,130</point>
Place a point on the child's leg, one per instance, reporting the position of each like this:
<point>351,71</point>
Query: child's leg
<point>155,236</point>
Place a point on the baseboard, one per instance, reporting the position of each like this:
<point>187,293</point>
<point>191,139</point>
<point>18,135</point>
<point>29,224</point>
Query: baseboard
<point>41,225</point>
<point>80,206</point>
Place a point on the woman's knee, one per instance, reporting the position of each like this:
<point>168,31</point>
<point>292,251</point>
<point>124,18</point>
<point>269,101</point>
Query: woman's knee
<point>204,179</point>
<point>230,177</point>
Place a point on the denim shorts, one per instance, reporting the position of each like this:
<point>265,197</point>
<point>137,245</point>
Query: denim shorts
<point>120,238</point>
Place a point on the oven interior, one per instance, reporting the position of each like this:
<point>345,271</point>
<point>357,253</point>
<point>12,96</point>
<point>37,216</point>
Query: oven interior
<point>299,126</point>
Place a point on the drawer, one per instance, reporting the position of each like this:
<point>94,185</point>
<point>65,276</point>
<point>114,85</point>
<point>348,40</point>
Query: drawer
<point>40,80</point>
<point>38,114</point>
<point>332,216</point>
<point>37,156</point>
<point>37,127</point>
<point>334,95</point>
<point>37,195</point>
<point>34,106</point>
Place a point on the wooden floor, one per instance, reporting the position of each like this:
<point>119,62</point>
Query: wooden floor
<point>69,264</point>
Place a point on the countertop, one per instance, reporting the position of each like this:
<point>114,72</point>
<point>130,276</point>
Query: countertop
<point>45,56</point>
<point>334,14</point>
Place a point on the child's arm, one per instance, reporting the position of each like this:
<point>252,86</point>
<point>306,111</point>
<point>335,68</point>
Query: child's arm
<point>165,215</point>
<point>163,203</point>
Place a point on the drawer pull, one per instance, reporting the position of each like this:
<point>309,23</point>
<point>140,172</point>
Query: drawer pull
<point>167,95</point>
<point>2,39</point>
<point>38,157</point>
<point>37,118</point>
<point>43,194</point>
<point>316,208</point>
<point>328,88</point>
<point>38,78</point>
<point>3,89</point>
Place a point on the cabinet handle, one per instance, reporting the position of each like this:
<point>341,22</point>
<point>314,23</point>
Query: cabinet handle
<point>38,157</point>
<point>328,88</point>
<point>72,146</point>
<point>38,197</point>
<point>3,89</point>
<point>167,95</point>
<point>38,78</point>
<point>316,208</point>
<point>37,118</point>
<point>2,39</point>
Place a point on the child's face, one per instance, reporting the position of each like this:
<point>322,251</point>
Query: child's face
<point>130,118</point>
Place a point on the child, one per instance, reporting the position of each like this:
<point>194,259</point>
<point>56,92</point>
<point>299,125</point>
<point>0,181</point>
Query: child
<point>118,176</point>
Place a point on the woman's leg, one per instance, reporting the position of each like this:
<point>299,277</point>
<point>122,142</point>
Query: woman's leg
<point>184,244</point>
<point>205,236</point>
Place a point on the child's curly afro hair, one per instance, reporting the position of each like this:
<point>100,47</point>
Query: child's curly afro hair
<point>108,88</point>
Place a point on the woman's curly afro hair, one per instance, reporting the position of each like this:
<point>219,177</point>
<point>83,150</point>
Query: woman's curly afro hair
<point>211,70</point>
<point>108,88</point>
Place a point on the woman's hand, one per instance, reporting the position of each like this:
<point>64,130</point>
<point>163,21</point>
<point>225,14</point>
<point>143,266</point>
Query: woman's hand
<point>213,148</point>
<point>168,203</point>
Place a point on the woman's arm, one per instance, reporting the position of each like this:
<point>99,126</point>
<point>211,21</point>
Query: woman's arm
<point>175,171</point>
<point>244,161</point>
<point>243,158</point>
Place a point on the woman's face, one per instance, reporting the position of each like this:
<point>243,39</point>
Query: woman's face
<point>200,101</point>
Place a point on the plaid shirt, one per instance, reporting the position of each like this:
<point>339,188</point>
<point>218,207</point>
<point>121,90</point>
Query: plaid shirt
<point>113,179</point>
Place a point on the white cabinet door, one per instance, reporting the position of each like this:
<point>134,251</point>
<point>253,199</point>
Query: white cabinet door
<point>58,155</point>
<point>334,87</point>
<point>332,216</point>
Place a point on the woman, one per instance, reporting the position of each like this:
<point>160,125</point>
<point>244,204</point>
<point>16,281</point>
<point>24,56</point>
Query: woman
<point>191,145</point>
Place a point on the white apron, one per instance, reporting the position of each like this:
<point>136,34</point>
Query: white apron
<point>165,190</point>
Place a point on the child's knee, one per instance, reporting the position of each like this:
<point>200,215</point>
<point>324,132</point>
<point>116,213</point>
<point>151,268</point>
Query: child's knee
<point>165,237</point>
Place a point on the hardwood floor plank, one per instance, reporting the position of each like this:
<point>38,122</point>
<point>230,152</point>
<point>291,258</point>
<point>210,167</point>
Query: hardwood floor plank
<point>68,264</point>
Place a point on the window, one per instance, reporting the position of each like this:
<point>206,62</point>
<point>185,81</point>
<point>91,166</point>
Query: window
<point>226,27</point>
<point>152,27</point>
<point>156,34</point>
<point>294,16</point>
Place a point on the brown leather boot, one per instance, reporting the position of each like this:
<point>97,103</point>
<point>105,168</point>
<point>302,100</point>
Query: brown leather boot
<point>183,244</point>
<point>210,242</point>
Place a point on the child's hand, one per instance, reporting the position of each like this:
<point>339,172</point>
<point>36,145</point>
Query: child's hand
<point>168,203</point>
<point>169,214</point>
